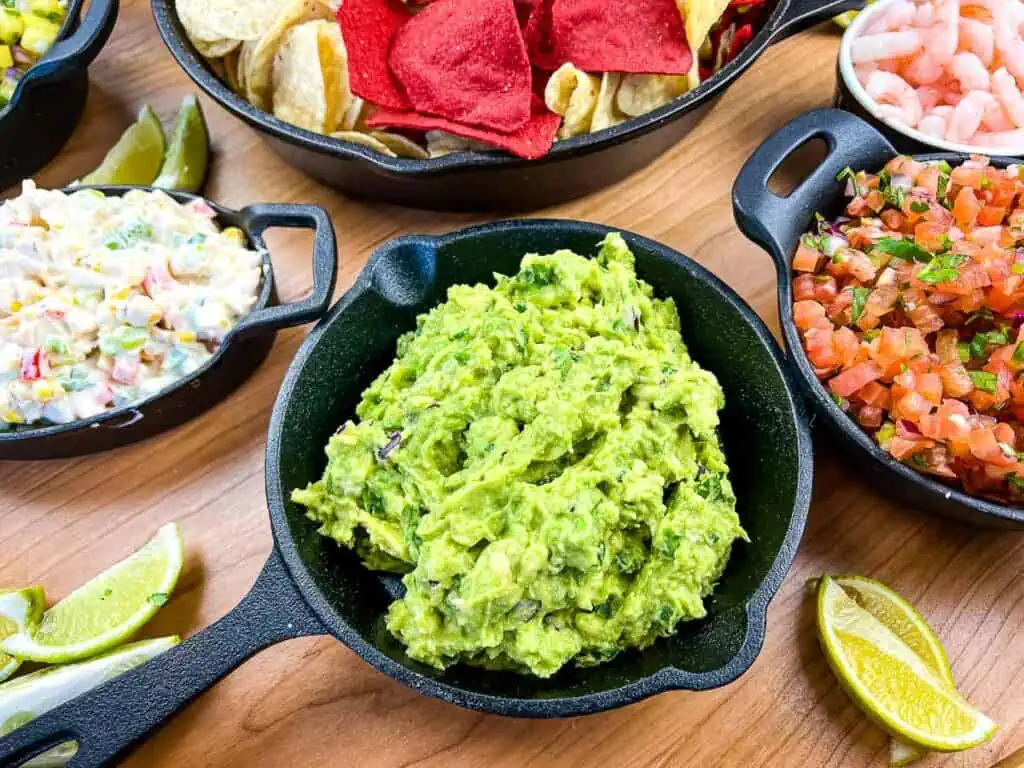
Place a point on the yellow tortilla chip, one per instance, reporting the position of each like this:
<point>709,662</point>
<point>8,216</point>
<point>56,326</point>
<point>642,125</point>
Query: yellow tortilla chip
<point>259,59</point>
<point>400,145</point>
<point>441,143</point>
<point>230,64</point>
<point>216,49</point>
<point>572,93</point>
<point>334,63</point>
<point>300,93</point>
<point>352,117</point>
<point>699,16</point>
<point>606,114</point>
<point>356,137</point>
<point>212,20</point>
<point>640,94</point>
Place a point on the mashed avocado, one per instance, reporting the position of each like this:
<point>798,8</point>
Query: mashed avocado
<point>541,462</point>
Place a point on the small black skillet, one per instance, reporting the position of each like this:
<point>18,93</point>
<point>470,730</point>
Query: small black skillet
<point>49,99</point>
<point>311,586</point>
<point>239,355</point>
<point>776,224</point>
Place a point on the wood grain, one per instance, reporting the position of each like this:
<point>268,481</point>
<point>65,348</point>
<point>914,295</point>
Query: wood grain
<point>312,702</point>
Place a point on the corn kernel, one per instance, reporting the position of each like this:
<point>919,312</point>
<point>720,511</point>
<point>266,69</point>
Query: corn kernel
<point>15,306</point>
<point>6,57</point>
<point>44,390</point>
<point>186,337</point>
<point>235,235</point>
<point>13,417</point>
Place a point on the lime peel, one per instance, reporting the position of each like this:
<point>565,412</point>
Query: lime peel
<point>20,611</point>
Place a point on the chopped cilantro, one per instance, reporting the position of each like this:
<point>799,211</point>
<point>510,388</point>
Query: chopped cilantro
<point>964,350</point>
<point>981,341</point>
<point>1018,354</point>
<point>520,308</point>
<point>945,167</point>
<point>860,298</point>
<point>537,274</point>
<point>848,174</point>
<point>907,250</point>
<point>1017,268</point>
<point>918,206</point>
<point>942,188</point>
<point>1015,482</point>
<point>871,335</point>
<point>842,402</point>
<point>982,314</point>
<point>984,381</point>
<point>128,236</point>
<point>942,269</point>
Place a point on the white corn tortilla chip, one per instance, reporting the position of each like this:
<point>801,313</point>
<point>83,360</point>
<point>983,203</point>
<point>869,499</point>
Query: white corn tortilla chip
<point>572,93</point>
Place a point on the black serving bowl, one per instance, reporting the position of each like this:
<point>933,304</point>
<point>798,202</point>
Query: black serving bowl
<point>310,585</point>
<point>776,224</point>
<point>48,101</point>
<point>243,349</point>
<point>491,180</point>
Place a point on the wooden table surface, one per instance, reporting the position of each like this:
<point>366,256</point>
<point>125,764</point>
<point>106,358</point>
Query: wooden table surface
<point>312,702</point>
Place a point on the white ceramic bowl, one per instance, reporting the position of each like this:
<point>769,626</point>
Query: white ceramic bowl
<point>870,107</point>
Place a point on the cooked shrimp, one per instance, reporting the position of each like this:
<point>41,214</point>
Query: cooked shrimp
<point>1006,18</point>
<point>1004,140</point>
<point>863,71</point>
<point>892,90</point>
<point>944,35</point>
<point>970,72</point>
<point>978,38</point>
<point>995,118</point>
<point>967,115</point>
<point>929,97</point>
<point>1006,91</point>
<point>925,15</point>
<point>885,45</point>
<point>933,125</point>
<point>901,14</point>
<point>923,70</point>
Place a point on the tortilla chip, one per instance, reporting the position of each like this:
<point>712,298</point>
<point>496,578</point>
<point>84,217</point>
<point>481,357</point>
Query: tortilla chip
<point>334,65</point>
<point>299,85</point>
<point>643,37</point>
<point>400,145</point>
<point>230,75</point>
<point>606,114</point>
<point>364,139</point>
<point>441,143</point>
<point>368,27</point>
<point>530,142</point>
<point>212,20</point>
<point>640,94</point>
<point>259,64</point>
<point>216,49</point>
<point>572,93</point>
<point>699,16</point>
<point>465,60</point>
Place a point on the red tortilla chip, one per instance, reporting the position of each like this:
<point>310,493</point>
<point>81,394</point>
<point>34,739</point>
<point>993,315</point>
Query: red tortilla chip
<point>641,37</point>
<point>368,27</point>
<point>465,60</point>
<point>535,17</point>
<point>531,141</point>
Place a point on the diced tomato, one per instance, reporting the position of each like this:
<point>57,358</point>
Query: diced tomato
<point>806,258</point>
<point>870,417</point>
<point>966,208</point>
<point>818,343</point>
<point>876,395</point>
<point>810,314</point>
<point>825,288</point>
<point>991,215</point>
<point>803,288</point>
<point>901,448</point>
<point>33,364</point>
<point>852,379</point>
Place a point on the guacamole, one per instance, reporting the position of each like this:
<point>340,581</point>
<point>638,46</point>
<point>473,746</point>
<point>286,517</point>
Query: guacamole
<point>541,463</point>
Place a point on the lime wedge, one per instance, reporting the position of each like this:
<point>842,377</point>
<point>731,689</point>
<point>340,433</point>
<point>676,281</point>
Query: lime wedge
<point>26,698</point>
<point>910,626</point>
<point>136,157</point>
<point>20,610</point>
<point>188,152</point>
<point>107,610</point>
<point>845,19</point>
<point>890,682</point>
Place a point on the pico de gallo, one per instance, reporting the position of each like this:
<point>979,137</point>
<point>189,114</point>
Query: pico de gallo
<point>910,307</point>
<point>28,28</point>
<point>105,301</point>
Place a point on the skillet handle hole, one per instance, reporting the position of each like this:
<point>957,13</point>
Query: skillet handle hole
<point>797,167</point>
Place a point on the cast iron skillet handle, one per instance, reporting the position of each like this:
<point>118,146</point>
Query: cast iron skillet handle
<point>78,49</point>
<point>107,721</point>
<point>806,13</point>
<point>262,216</point>
<point>775,223</point>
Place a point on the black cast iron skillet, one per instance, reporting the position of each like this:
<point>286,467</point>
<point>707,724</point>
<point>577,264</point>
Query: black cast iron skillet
<point>492,180</point>
<point>244,348</point>
<point>311,586</point>
<point>776,223</point>
<point>48,101</point>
